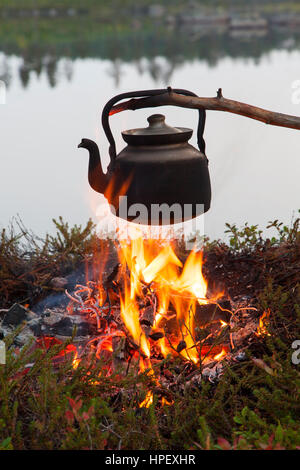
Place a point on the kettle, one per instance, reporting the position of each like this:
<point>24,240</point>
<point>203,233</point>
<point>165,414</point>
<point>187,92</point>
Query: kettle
<point>158,178</point>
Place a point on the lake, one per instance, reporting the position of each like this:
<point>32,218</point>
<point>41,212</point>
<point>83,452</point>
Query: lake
<point>55,97</point>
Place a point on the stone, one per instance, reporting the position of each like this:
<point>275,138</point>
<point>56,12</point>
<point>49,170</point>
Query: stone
<point>59,282</point>
<point>64,327</point>
<point>16,315</point>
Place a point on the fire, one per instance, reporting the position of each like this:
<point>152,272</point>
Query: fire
<point>156,299</point>
<point>220,356</point>
<point>76,361</point>
<point>148,400</point>
<point>165,402</point>
<point>130,317</point>
<point>191,279</point>
<point>263,322</point>
<point>155,266</point>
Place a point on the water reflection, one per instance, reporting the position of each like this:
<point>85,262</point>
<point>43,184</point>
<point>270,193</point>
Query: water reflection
<point>155,53</point>
<point>42,123</point>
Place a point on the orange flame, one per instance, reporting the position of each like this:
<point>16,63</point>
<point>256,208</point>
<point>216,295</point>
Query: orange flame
<point>165,402</point>
<point>148,400</point>
<point>263,322</point>
<point>220,356</point>
<point>130,317</point>
<point>76,361</point>
<point>182,286</point>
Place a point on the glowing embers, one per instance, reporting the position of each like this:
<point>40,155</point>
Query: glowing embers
<point>155,304</point>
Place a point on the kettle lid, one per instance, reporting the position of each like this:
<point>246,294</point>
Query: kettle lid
<point>157,125</point>
<point>157,130</point>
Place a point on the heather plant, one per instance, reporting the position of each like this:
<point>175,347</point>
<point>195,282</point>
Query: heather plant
<point>253,405</point>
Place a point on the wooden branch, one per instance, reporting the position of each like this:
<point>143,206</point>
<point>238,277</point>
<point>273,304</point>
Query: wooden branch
<point>219,103</point>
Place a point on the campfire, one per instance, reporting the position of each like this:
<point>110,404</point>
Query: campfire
<point>155,305</point>
<point>144,327</point>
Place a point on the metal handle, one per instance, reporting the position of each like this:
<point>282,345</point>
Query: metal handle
<point>145,93</point>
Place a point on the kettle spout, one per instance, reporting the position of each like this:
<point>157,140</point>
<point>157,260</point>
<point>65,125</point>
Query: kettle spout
<point>97,179</point>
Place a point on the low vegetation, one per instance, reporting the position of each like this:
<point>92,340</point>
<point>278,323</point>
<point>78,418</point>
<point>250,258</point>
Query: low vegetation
<point>254,404</point>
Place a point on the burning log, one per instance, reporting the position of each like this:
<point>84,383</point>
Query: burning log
<point>181,346</point>
<point>147,316</point>
<point>156,335</point>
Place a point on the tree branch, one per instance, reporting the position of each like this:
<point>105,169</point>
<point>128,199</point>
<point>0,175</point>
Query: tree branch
<point>219,103</point>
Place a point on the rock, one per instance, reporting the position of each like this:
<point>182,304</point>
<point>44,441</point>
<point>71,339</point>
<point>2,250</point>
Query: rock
<point>215,373</point>
<point>85,329</point>
<point>59,282</point>
<point>63,328</point>
<point>16,315</point>
<point>60,324</point>
<point>23,337</point>
<point>36,327</point>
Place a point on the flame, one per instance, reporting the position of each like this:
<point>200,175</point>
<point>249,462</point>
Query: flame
<point>262,326</point>
<point>76,361</point>
<point>165,402</point>
<point>165,257</point>
<point>107,345</point>
<point>130,317</point>
<point>153,277</point>
<point>150,261</point>
<point>148,400</point>
<point>191,279</point>
<point>114,191</point>
<point>220,356</point>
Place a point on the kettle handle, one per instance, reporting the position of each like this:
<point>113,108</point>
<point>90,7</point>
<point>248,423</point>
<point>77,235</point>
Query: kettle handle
<point>145,93</point>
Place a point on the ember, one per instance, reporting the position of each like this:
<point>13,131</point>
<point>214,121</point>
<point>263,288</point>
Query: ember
<point>158,305</point>
<point>152,307</point>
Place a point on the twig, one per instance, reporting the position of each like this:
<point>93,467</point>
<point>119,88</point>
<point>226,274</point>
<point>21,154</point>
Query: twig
<point>218,103</point>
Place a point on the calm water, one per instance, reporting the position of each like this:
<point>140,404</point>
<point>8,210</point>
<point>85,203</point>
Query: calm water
<point>254,168</point>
